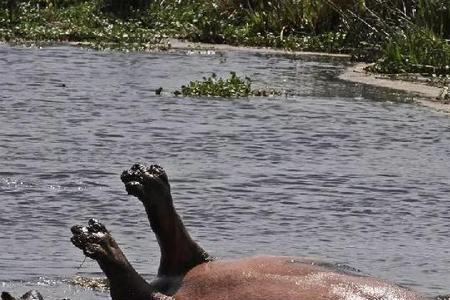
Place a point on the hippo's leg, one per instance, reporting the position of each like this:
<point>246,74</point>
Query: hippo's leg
<point>179,253</point>
<point>30,295</point>
<point>98,244</point>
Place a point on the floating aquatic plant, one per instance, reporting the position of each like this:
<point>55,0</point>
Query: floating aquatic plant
<point>214,86</point>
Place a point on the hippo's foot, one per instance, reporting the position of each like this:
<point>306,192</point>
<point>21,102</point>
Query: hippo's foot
<point>149,184</point>
<point>94,239</point>
<point>97,243</point>
<point>179,253</point>
<point>31,295</point>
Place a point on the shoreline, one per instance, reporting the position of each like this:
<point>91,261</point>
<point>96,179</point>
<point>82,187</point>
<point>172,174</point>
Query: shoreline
<point>423,94</point>
<point>176,44</point>
<point>173,45</point>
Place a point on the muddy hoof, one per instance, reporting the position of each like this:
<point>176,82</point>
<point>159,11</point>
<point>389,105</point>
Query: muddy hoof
<point>31,295</point>
<point>94,239</point>
<point>146,183</point>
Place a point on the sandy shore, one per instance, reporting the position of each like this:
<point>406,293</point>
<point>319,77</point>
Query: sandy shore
<point>189,46</point>
<point>422,93</point>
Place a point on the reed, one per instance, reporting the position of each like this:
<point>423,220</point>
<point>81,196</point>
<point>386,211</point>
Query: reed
<point>416,50</point>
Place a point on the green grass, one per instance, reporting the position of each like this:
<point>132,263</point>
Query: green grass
<point>82,22</point>
<point>415,51</point>
<point>287,24</point>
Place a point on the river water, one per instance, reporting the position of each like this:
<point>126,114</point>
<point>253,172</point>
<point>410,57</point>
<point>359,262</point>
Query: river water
<point>334,170</point>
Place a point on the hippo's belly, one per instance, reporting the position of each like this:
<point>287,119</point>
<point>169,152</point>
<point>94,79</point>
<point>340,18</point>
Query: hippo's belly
<point>282,278</point>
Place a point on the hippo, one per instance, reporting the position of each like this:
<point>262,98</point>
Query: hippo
<point>187,272</point>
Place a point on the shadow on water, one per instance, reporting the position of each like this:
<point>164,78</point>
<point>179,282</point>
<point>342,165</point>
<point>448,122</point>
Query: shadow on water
<point>326,172</point>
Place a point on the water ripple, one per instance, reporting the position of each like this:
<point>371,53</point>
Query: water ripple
<point>337,170</point>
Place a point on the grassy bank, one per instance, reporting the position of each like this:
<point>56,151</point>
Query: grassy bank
<point>400,36</point>
<point>204,21</point>
<point>35,22</point>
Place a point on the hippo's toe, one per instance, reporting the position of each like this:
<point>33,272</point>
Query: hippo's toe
<point>92,239</point>
<point>144,181</point>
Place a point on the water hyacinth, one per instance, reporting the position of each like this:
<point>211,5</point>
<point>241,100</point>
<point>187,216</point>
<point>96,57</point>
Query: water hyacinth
<point>232,87</point>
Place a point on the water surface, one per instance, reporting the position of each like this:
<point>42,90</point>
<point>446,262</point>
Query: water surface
<point>335,170</point>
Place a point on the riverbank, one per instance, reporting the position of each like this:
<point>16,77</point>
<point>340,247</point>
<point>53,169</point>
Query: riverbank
<point>407,43</point>
<point>182,45</point>
<point>422,92</point>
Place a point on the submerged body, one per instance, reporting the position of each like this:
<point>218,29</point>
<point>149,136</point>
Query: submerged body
<point>254,278</point>
<point>187,272</point>
<point>287,278</point>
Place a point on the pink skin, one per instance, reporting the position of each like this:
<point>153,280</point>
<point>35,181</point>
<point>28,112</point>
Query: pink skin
<point>287,278</point>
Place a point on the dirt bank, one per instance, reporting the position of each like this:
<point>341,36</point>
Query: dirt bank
<point>184,45</point>
<point>423,93</point>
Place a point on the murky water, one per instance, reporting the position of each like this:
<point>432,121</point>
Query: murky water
<point>330,172</point>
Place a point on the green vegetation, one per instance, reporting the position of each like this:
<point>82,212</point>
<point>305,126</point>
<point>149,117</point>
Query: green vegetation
<point>414,51</point>
<point>399,35</point>
<point>287,24</point>
<point>81,22</point>
<point>213,86</point>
